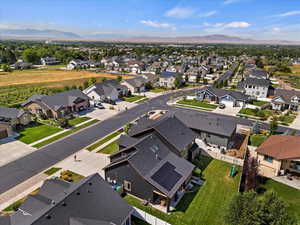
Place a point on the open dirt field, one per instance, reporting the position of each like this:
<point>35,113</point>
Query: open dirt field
<point>296,69</point>
<point>50,78</point>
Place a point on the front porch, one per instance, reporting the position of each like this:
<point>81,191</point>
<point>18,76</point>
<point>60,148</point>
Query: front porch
<point>290,173</point>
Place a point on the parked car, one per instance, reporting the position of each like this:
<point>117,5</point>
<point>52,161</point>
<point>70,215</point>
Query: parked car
<point>99,106</point>
<point>222,106</point>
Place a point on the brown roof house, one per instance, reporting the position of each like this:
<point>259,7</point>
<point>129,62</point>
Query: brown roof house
<point>10,119</point>
<point>58,105</point>
<point>279,155</point>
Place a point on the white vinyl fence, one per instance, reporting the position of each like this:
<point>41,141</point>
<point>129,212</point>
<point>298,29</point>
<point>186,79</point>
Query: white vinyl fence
<point>222,157</point>
<point>148,217</point>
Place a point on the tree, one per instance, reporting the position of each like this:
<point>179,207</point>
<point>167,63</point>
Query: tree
<point>273,125</point>
<point>85,84</point>
<point>104,79</point>
<point>205,82</point>
<point>30,56</point>
<point>119,78</point>
<point>250,209</point>
<point>178,81</point>
<point>251,174</point>
<point>92,81</point>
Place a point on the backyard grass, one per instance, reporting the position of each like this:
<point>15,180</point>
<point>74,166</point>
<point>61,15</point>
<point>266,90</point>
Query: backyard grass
<point>205,206</point>
<point>259,103</point>
<point>133,98</point>
<point>196,103</point>
<point>78,120</point>
<point>111,148</point>
<point>64,134</point>
<point>103,140</point>
<point>52,170</point>
<point>257,139</point>
<point>36,132</point>
<point>289,195</point>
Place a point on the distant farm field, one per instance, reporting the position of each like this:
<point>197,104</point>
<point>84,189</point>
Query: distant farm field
<point>50,77</point>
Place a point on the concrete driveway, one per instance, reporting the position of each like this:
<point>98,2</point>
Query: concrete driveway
<point>230,111</point>
<point>100,114</point>
<point>11,150</point>
<point>296,123</point>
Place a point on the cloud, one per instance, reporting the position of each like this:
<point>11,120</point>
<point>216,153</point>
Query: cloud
<point>180,12</point>
<point>228,2</point>
<point>208,14</point>
<point>290,13</point>
<point>236,24</point>
<point>155,24</point>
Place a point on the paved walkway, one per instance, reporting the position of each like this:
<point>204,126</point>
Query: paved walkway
<point>86,163</point>
<point>296,123</point>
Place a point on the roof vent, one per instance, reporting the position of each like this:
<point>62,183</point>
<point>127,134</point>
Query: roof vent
<point>48,217</point>
<point>78,193</point>
<point>53,202</point>
<point>64,204</point>
<point>89,191</point>
<point>90,183</point>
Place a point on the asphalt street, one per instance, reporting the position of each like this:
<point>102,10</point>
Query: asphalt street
<point>18,171</point>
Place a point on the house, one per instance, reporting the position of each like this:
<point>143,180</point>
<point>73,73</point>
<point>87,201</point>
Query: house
<point>49,61</point>
<point>21,66</point>
<point>107,90</point>
<point>151,78</point>
<point>279,155</point>
<point>150,171</point>
<point>286,100</point>
<point>81,64</point>
<point>256,88</point>
<point>86,202</point>
<point>258,73</point>
<point>167,79</point>
<point>58,105</point>
<point>212,131</point>
<point>227,97</point>
<point>172,131</point>
<point>135,66</point>
<point>10,119</point>
<point>135,85</point>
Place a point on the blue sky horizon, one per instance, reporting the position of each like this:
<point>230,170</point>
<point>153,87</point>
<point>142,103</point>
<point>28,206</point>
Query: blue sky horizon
<point>255,19</point>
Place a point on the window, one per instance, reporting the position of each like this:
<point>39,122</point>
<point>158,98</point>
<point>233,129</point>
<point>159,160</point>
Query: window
<point>127,185</point>
<point>268,158</point>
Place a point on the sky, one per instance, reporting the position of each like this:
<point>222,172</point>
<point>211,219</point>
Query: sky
<point>255,19</point>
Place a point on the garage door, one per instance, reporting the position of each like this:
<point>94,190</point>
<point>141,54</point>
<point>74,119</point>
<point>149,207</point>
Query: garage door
<point>227,100</point>
<point>3,133</point>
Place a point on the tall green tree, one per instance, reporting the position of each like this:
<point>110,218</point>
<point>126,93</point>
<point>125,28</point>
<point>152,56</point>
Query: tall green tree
<point>30,56</point>
<point>273,125</point>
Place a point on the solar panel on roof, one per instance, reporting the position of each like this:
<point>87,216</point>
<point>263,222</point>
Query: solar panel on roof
<point>166,176</point>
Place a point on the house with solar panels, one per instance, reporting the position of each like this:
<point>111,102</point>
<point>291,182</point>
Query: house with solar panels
<point>149,170</point>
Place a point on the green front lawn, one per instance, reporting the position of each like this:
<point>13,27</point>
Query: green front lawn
<point>111,148</point>
<point>257,113</point>
<point>103,140</point>
<point>158,90</point>
<point>289,195</point>
<point>64,134</point>
<point>52,171</point>
<point>286,119</point>
<point>259,103</point>
<point>133,98</point>
<point>257,139</point>
<point>78,120</point>
<point>36,132</point>
<point>197,104</point>
<point>205,206</point>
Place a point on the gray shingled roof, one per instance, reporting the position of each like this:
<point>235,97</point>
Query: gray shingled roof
<point>222,92</point>
<point>209,124</point>
<point>137,82</point>
<point>151,156</point>
<point>255,81</point>
<point>169,127</point>
<point>58,100</point>
<point>89,201</point>
<point>126,141</point>
<point>10,113</point>
<point>286,95</point>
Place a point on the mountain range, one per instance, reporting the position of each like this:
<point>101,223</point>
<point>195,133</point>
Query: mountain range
<point>36,34</point>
